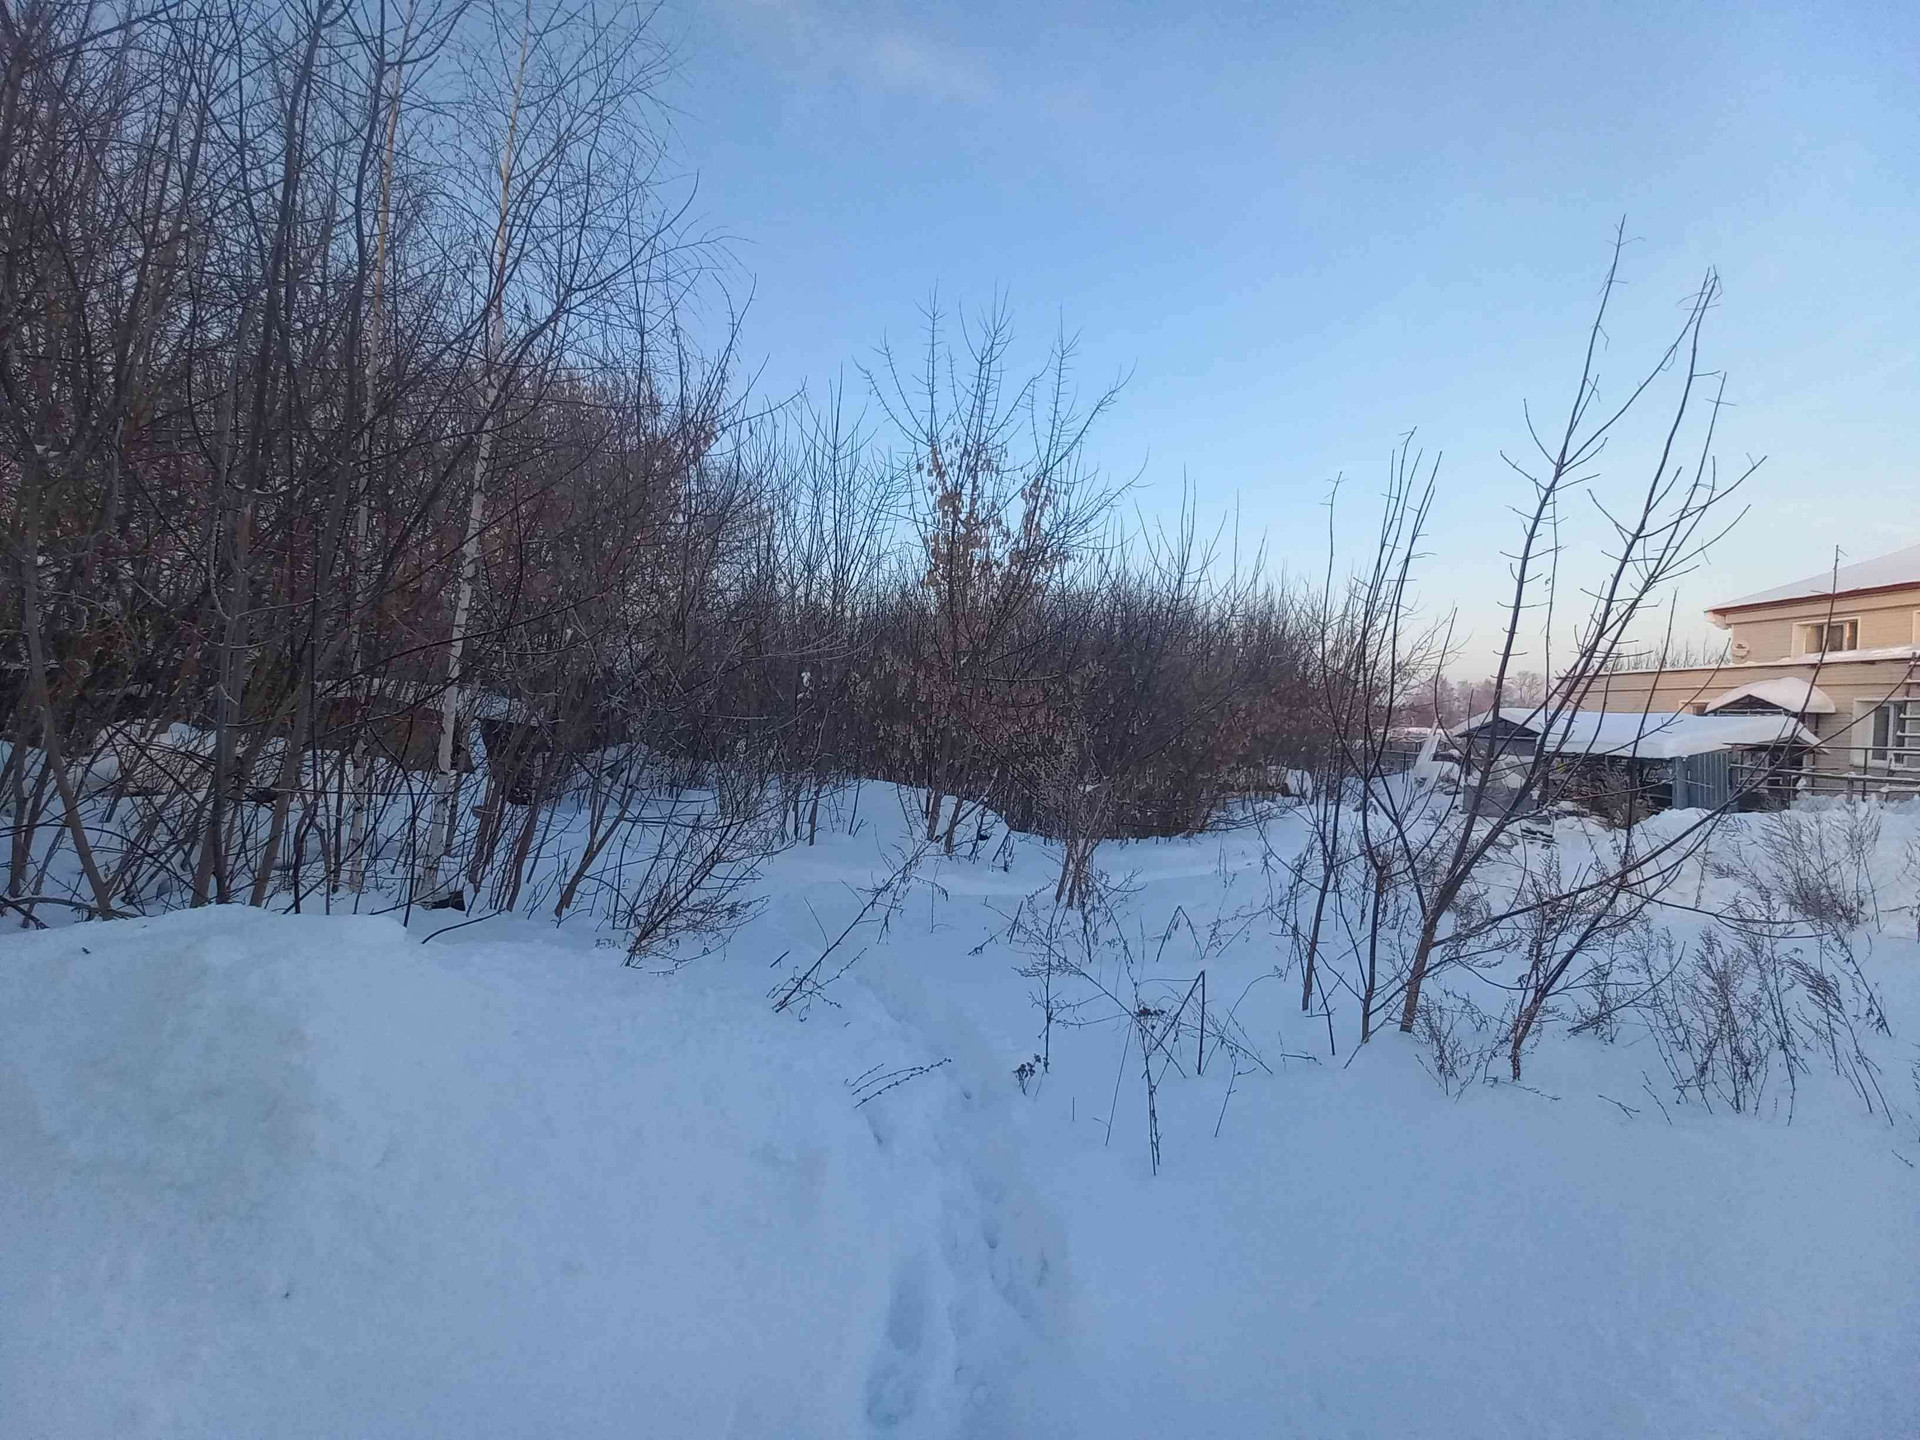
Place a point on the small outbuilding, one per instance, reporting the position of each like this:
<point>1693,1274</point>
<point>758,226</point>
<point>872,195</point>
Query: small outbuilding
<point>1646,760</point>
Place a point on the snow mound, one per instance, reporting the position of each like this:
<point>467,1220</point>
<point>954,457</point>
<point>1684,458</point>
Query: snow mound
<point>304,1176</point>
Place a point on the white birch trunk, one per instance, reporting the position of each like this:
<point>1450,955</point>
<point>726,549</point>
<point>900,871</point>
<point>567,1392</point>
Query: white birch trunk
<point>359,800</point>
<point>440,833</point>
<point>443,821</point>
<point>357,770</point>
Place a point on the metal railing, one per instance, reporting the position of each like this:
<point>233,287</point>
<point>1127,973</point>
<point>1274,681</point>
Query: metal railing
<point>1867,770</point>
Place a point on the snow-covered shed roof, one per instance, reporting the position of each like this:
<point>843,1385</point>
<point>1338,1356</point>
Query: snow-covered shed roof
<point>1902,567</point>
<point>1527,717</point>
<point>1791,693</point>
<point>1656,735</point>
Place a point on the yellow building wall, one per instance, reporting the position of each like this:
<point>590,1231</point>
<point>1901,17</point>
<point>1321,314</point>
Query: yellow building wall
<point>1886,620</point>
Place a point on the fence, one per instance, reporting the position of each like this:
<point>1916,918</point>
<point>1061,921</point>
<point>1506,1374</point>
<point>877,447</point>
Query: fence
<point>1704,782</point>
<point>1887,770</point>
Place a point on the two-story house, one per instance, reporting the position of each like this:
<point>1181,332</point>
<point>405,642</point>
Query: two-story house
<point>1839,651</point>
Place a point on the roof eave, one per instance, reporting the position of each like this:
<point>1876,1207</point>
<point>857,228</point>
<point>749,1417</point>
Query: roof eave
<point>1714,615</point>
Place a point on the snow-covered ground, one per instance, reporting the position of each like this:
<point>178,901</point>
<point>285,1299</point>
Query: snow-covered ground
<point>328,1176</point>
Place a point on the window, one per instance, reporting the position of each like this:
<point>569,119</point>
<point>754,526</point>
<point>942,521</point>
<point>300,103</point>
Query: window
<point>1894,735</point>
<point>1829,635</point>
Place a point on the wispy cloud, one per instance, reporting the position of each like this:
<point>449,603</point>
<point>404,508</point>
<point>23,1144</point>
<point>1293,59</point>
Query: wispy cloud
<point>869,45</point>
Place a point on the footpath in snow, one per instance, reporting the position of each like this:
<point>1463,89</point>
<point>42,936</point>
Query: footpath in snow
<point>310,1176</point>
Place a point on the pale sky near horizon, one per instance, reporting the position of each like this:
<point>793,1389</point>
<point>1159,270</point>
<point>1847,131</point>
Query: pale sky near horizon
<point>1303,230</point>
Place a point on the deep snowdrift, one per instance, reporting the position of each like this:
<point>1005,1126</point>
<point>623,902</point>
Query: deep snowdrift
<point>310,1176</point>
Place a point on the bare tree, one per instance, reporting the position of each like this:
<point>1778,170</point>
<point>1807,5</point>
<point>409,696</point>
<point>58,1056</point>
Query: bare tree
<point>1658,534</point>
<point>1003,504</point>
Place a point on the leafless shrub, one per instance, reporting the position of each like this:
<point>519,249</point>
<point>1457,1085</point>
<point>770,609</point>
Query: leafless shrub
<point>1092,973</point>
<point>1078,956</point>
<point>877,1080</point>
<point>880,905</point>
<point>1720,1021</point>
<point>1838,1005</point>
<point>696,884</point>
<point>1605,995</point>
<point>1461,1040</point>
<point>1742,1004</point>
<point>1562,926</point>
<point>1816,864</point>
<point>1910,877</point>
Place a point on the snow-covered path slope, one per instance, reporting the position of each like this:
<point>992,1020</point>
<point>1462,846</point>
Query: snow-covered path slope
<point>300,1176</point>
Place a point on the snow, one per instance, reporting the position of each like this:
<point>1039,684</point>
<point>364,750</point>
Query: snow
<point>326,1175</point>
<point>1648,735</point>
<point>1902,567</point>
<point>1790,693</point>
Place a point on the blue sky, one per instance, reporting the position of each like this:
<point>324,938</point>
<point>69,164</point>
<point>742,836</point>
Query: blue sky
<point>1303,230</point>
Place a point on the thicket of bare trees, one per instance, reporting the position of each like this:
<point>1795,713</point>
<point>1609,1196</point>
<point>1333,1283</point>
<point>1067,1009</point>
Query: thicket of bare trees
<point>373,524</point>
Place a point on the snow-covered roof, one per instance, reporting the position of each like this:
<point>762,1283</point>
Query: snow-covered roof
<point>1527,717</point>
<point>1655,735</point>
<point>1902,567</point>
<point>1791,693</point>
